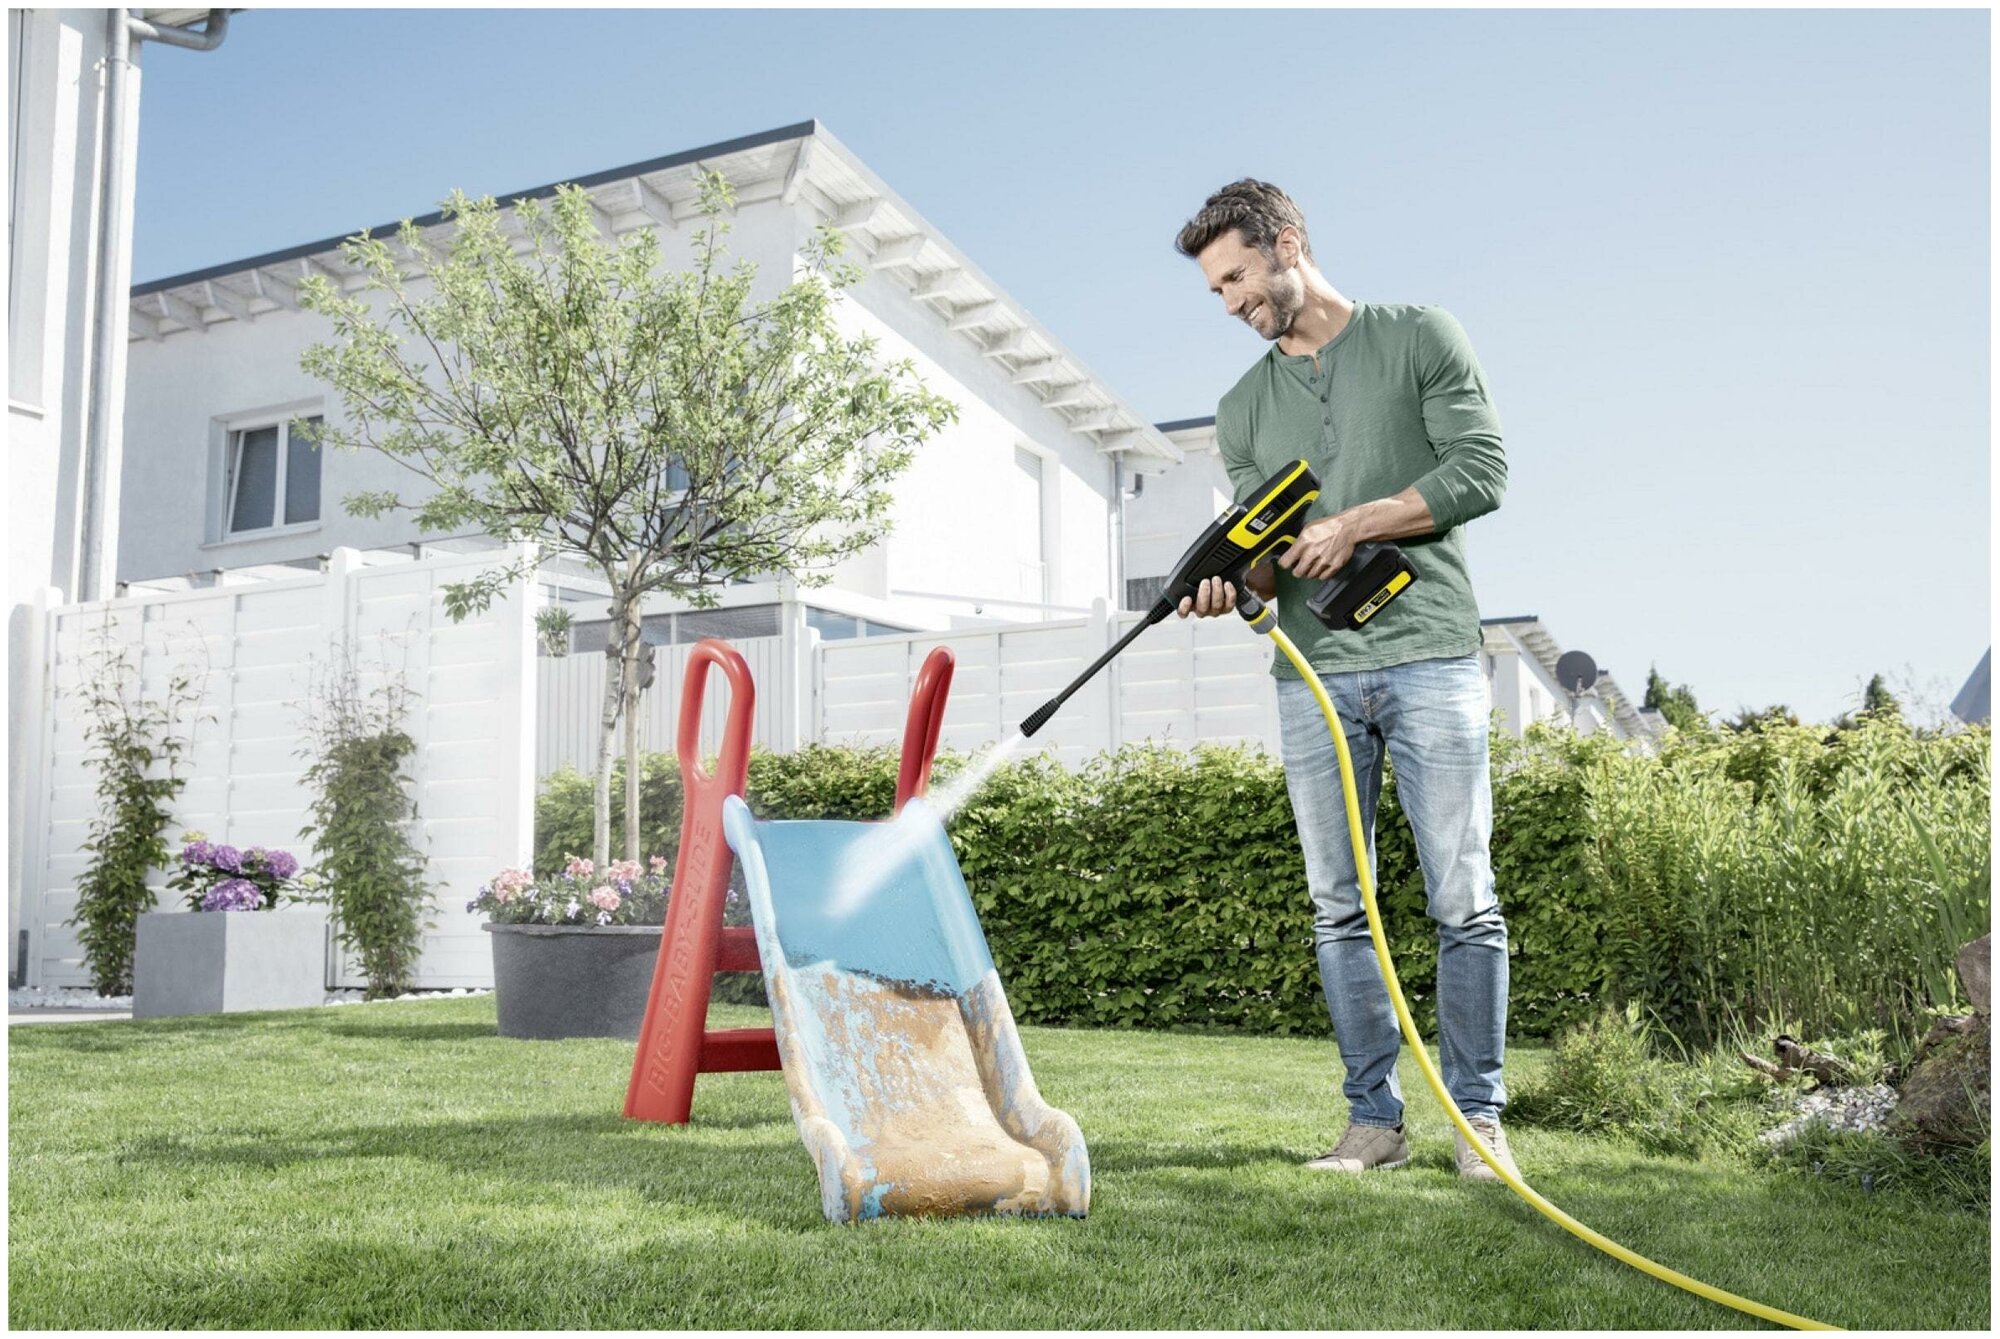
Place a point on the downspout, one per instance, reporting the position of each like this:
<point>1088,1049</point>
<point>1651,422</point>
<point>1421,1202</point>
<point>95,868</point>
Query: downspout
<point>113,296</point>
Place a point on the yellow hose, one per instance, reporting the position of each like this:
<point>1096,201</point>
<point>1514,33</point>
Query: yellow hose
<point>1266,622</point>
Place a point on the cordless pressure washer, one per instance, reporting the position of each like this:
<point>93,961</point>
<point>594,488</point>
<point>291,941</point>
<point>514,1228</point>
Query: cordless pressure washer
<point>1238,540</point>
<point>1248,534</point>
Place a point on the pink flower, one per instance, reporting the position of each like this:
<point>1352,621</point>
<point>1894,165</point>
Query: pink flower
<point>605,899</point>
<point>623,871</point>
<point>659,864</point>
<point>511,883</point>
<point>579,868</point>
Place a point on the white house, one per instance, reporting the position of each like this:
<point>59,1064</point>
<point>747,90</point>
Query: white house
<point>1009,515</point>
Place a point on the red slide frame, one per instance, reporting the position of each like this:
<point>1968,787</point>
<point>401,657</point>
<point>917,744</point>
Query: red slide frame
<point>674,1045</point>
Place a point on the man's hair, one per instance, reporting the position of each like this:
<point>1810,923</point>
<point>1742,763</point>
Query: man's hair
<point>1257,209</point>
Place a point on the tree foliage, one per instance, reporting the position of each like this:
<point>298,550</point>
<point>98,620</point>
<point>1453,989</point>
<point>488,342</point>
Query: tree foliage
<point>1676,702</point>
<point>669,428</point>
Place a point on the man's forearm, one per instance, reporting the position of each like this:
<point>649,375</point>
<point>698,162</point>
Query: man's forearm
<point>1397,517</point>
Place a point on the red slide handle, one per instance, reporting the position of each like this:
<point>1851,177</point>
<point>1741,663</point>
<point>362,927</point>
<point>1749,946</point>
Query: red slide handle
<point>670,1036</point>
<point>921,727</point>
<point>732,770</point>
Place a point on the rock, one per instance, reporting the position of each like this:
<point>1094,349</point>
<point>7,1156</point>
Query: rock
<point>1975,972</point>
<point>1947,1099</point>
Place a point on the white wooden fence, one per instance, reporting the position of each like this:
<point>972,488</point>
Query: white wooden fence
<point>485,729</point>
<point>1181,683</point>
<point>255,648</point>
<point>570,696</point>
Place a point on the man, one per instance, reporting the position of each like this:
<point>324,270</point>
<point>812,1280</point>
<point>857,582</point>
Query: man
<point>1390,407</point>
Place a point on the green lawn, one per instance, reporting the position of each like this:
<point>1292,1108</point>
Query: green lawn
<point>398,1165</point>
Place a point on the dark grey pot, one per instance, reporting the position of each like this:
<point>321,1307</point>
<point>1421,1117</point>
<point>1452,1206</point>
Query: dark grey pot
<point>553,981</point>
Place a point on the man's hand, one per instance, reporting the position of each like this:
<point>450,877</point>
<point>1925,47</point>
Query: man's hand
<point>1322,549</point>
<point>1262,581</point>
<point>1214,596</point>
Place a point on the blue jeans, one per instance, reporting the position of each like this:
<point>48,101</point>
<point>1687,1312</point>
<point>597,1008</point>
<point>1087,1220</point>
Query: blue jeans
<point>1430,716</point>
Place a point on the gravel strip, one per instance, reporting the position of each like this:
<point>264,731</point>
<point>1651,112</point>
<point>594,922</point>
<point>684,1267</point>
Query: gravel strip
<point>1857,1109</point>
<point>72,997</point>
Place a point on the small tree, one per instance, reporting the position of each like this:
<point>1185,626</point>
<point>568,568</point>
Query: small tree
<point>137,745</point>
<point>1877,700</point>
<point>659,426</point>
<point>1674,701</point>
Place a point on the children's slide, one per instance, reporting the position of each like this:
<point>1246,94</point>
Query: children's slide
<point>906,1075</point>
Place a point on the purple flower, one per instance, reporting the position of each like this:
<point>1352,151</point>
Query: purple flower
<point>281,863</point>
<point>233,895</point>
<point>226,858</point>
<point>197,853</point>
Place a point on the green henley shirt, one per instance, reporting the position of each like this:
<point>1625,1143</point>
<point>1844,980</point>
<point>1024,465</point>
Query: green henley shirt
<point>1397,399</point>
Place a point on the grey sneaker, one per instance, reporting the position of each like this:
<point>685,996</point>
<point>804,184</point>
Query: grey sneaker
<point>1471,1166</point>
<point>1365,1148</point>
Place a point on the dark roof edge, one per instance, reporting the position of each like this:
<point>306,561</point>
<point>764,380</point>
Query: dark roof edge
<point>1180,423</point>
<point>1517,618</point>
<point>757,141</point>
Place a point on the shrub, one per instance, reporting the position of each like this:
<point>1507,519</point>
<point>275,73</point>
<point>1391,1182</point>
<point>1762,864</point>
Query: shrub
<point>361,810</point>
<point>136,751</point>
<point>1788,875</point>
<point>1732,882</point>
<point>1603,1078</point>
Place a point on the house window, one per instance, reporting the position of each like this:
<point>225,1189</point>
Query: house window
<point>273,476</point>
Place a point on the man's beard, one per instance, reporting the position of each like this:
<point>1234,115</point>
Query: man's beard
<point>1283,301</point>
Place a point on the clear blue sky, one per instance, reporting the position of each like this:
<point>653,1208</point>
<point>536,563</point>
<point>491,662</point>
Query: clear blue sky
<point>1727,271</point>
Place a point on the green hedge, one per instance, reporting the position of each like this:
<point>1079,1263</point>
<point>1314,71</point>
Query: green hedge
<point>1783,876</point>
<point>1163,888</point>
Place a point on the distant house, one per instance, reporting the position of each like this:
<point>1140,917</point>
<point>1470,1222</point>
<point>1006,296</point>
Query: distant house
<point>1010,515</point>
<point>1974,703</point>
<point>1520,654</point>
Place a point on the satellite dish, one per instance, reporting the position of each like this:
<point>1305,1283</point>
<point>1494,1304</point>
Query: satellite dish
<point>1576,671</point>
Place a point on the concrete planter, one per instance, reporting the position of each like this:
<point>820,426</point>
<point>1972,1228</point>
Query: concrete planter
<point>552,981</point>
<point>212,962</point>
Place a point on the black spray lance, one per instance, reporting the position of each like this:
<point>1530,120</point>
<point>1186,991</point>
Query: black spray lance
<point>1239,539</point>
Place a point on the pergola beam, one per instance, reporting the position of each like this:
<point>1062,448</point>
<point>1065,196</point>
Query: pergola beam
<point>938,286</point>
<point>225,300</point>
<point>801,164</point>
<point>652,204</point>
<point>183,311</point>
<point>143,324</point>
<point>1013,344</point>
<point>858,215</point>
<point>971,318</point>
<point>281,291</point>
<point>901,253</point>
<point>1109,421</point>
<point>1046,370</point>
<point>1073,393</point>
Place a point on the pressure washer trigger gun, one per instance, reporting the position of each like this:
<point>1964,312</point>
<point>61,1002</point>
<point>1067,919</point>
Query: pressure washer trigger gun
<point>1242,536</point>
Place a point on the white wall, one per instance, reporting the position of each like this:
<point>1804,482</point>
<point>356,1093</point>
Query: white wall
<point>255,647</point>
<point>55,129</point>
<point>1175,505</point>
